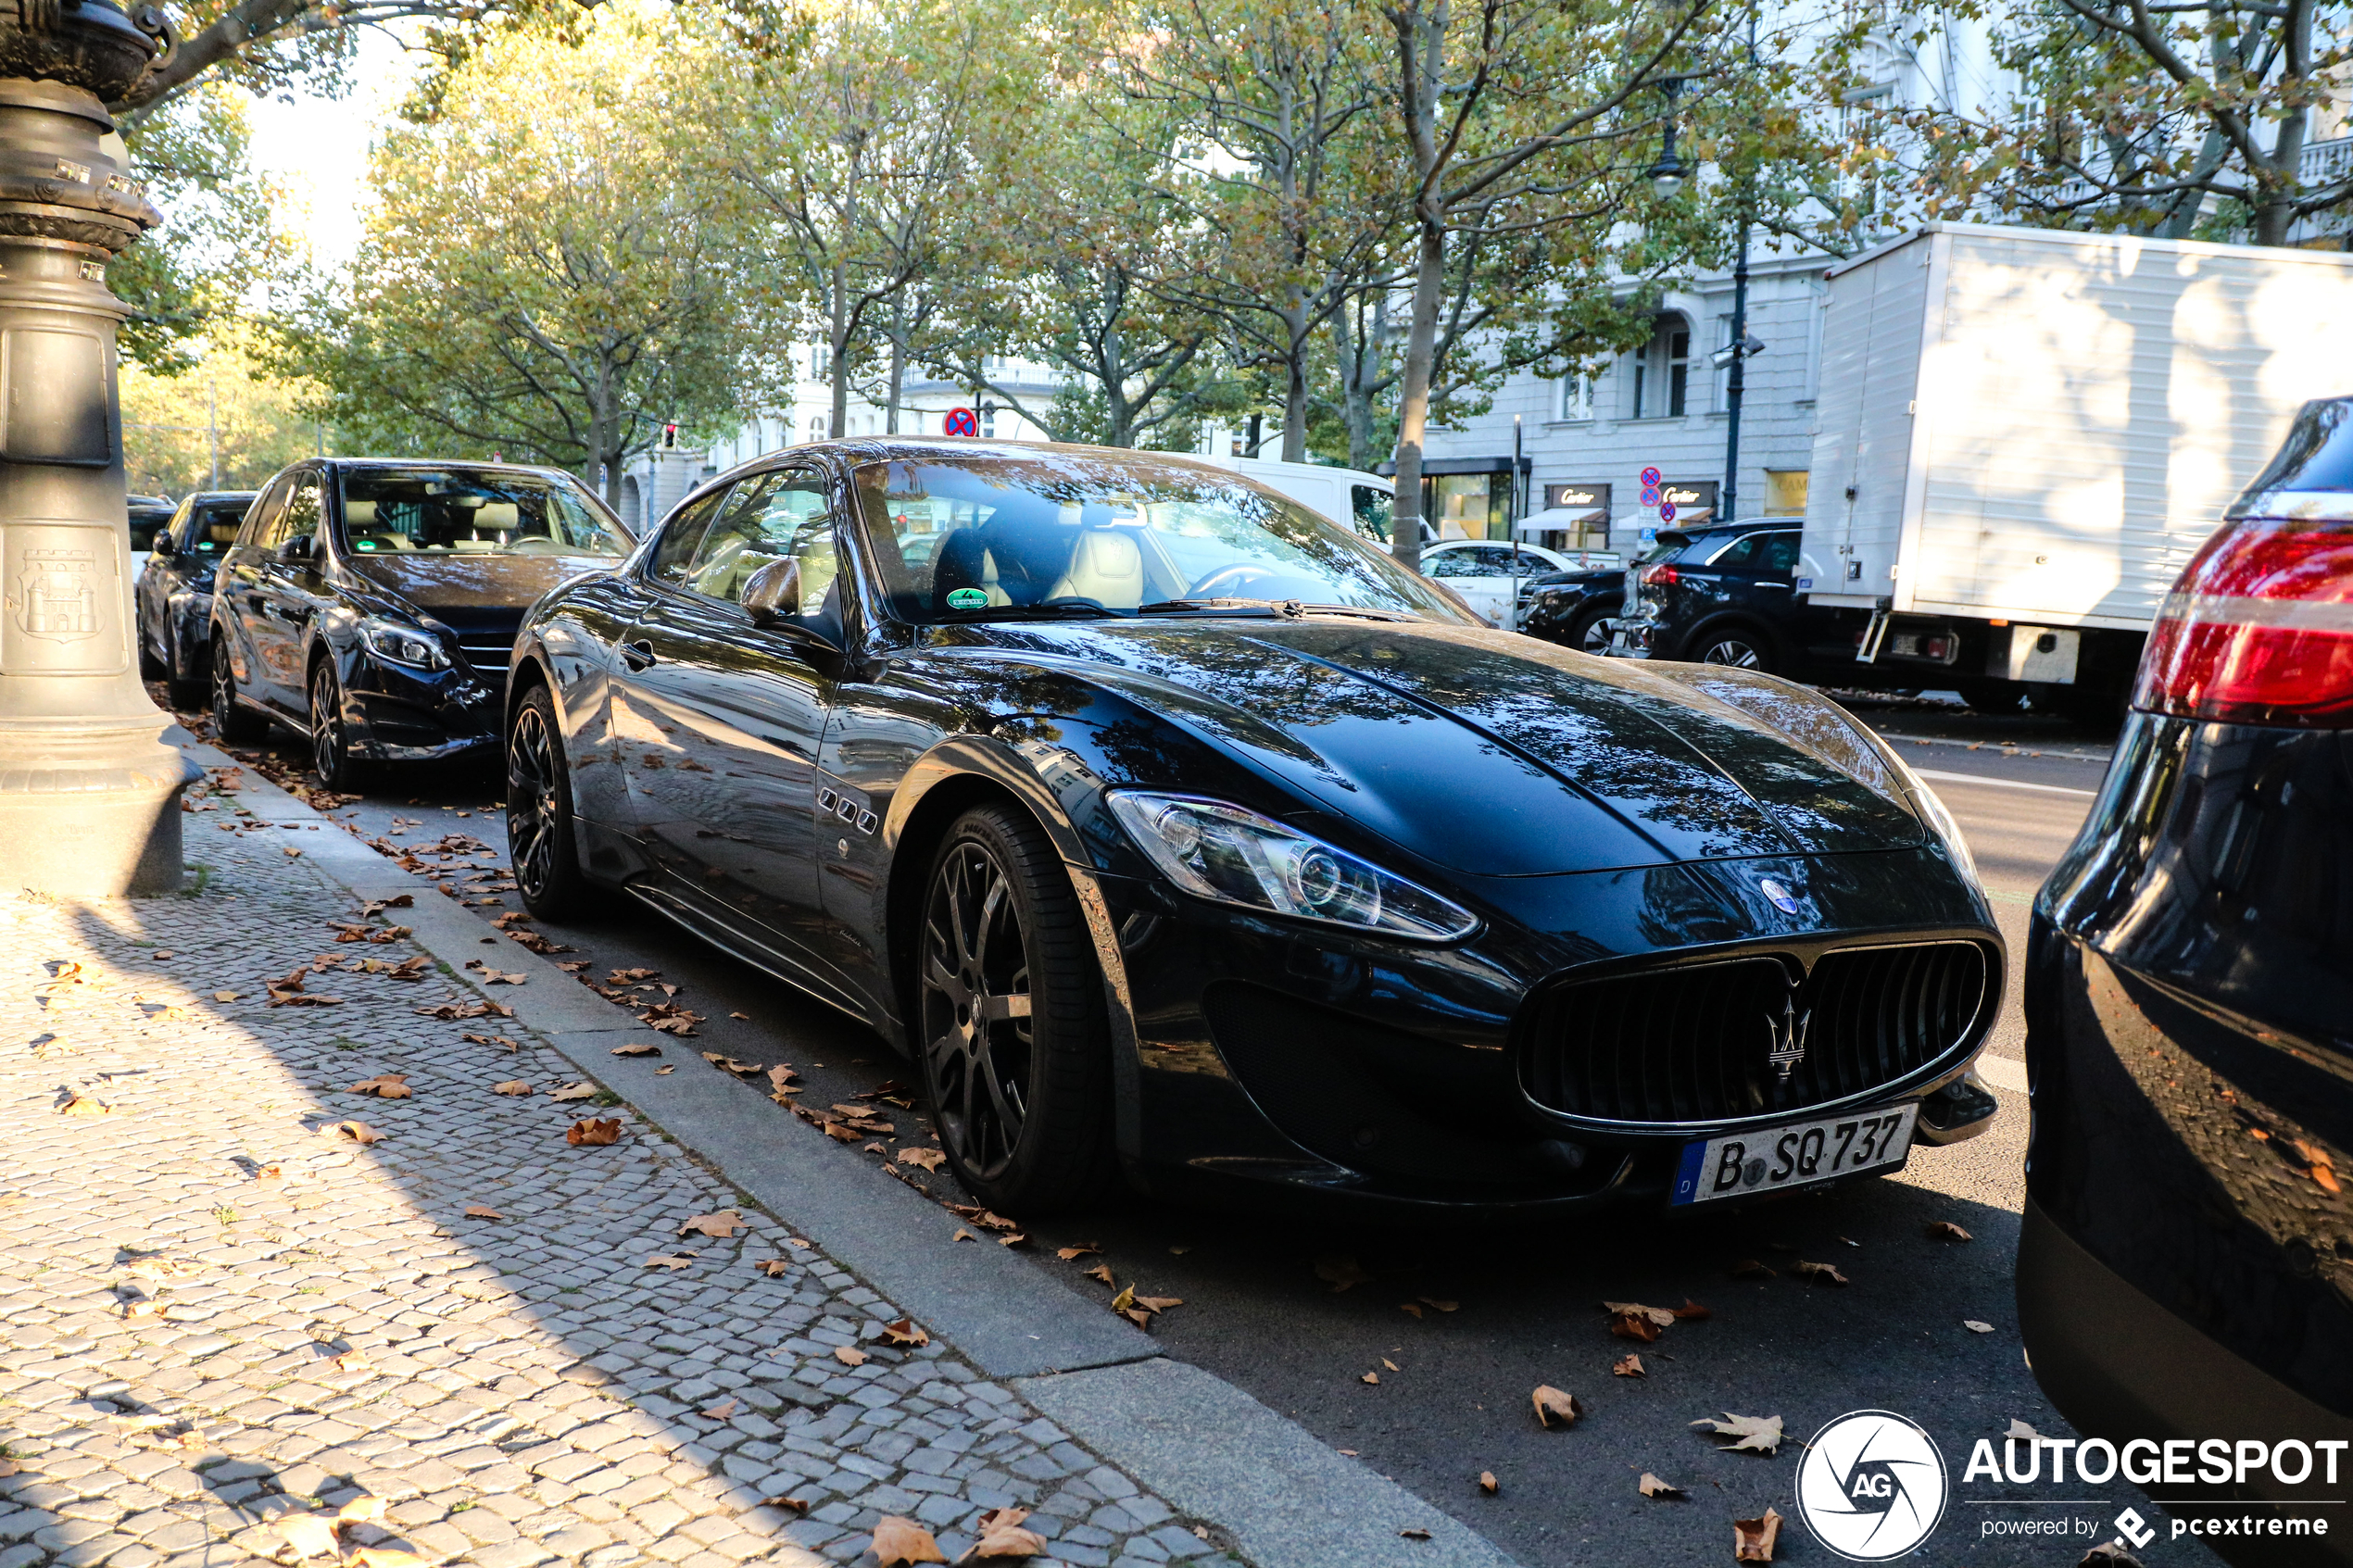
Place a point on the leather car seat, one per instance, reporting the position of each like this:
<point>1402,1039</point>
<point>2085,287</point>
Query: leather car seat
<point>1107,566</point>
<point>962,560</point>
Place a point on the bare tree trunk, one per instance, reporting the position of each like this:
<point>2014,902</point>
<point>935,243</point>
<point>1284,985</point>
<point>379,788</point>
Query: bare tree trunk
<point>1413,409</point>
<point>837,354</point>
<point>898,372</point>
<point>1295,392</point>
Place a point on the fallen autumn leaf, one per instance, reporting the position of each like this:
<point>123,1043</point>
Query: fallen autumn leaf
<point>1755,1434</point>
<point>1651,1486</point>
<point>898,1541</point>
<point>1555,1404</point>
<point>594,1133</point>
<point>1629,1366</point>
<point>723,1225</point>
<point>1753,1538</point>
<point>850,1355</point>
<point>482,1211</point>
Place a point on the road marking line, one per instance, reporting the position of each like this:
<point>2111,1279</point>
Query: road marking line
<point>2003,783</point>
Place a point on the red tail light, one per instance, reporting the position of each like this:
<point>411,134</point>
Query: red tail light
<point>1660,577</point>
<point>2259,630</point>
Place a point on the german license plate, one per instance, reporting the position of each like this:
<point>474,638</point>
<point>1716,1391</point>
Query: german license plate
<point>1775,1159</point>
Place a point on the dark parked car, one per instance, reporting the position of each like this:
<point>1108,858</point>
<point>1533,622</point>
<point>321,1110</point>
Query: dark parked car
<point>1169,827</point>
<point>1727,595</point>
<point>2185,1268</point>
<point>371,605</point>
<point>173,593</point>
<point>149,514</point>
<point>1573,608</point>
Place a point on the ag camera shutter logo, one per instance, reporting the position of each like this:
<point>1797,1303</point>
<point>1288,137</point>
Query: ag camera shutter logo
<point>1871,1486</point>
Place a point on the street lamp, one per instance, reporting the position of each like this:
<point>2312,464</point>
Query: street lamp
<point>1668,174</point>
<point>89,792</point>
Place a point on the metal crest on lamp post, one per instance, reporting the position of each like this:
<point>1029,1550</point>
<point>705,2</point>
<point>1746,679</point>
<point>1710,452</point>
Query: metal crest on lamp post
<point>89,789</point>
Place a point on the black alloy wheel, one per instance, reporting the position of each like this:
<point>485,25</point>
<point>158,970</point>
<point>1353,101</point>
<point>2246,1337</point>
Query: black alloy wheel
<point>1014,1052</point>
<point>540,840</point>
<point>1590,634</point>
<point>1739,648</point>
<point>232,720</point>
<point>330,736</point>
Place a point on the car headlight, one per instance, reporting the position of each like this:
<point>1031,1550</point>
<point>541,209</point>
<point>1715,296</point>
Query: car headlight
<point>397,642</point>
<point>1940,821</point>
<point>1224,853</point>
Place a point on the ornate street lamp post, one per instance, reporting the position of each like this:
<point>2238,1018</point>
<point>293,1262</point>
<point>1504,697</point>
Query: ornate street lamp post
<point>89,792</point>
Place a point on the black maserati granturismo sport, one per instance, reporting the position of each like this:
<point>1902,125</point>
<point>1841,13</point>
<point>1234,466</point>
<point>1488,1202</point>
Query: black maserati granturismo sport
<point>1173,831</point>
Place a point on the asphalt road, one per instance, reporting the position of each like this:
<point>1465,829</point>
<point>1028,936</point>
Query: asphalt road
<point>1451,1400</point>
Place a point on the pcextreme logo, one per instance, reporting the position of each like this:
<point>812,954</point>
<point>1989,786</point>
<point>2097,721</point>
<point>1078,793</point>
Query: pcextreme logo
<point>1871,1486</point>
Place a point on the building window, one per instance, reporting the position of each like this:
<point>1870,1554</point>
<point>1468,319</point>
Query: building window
<point>817,430</point>
<point>1663,369</point>
<point>1785,491</point>
<point>1575,398</point>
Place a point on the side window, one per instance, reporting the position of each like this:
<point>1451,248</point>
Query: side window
<point>263,517</point>
<point>785,516</point>
<point>1778,554</point>
<point>299,522</point>
<point>1371,506</point>
<point>1449,563</point>
<point>1742,557</point>
<point>680,537</point>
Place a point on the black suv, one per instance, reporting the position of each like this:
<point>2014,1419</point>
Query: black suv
<point>173,593</point>
<point>372,605</point>
<point>1728,596</point>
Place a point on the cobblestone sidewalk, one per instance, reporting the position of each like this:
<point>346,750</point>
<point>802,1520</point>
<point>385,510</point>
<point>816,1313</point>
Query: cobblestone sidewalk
<point>222,1310</point>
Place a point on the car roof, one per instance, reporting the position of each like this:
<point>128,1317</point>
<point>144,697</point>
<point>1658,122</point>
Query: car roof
<point>435,464</point>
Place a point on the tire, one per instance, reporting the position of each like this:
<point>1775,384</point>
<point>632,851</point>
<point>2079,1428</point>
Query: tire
<point>187,692</point>
<point>1736,647</point>
<point>331,756</point>
<point>1011,1033</point>
<point>541,843</point>
<point>1587,635</point>
<point>232,720</point>
<point>150,667</point>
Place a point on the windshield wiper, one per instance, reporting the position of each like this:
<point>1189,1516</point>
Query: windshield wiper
<point>1285,609</point>
<point>1028,613</point>
<point>1282,609</point>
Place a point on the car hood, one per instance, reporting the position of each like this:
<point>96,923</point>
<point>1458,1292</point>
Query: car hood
<point>436,583</point>
<point>1496,754</point>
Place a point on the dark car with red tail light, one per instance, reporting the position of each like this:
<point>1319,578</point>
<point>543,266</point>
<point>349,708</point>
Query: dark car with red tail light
<point>2186,1270</point>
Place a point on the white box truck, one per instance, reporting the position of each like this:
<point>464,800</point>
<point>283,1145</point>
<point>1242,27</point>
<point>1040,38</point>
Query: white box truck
<point>2024,434</point>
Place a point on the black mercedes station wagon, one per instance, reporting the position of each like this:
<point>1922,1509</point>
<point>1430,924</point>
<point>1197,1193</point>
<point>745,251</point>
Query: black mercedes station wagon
<point>371,604</point>
<point>2185,1264</point>
<point>1172,830</point>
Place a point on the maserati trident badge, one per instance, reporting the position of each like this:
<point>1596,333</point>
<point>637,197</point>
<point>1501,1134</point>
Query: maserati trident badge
<point>1781,897</point>
<point>1789,1038</point>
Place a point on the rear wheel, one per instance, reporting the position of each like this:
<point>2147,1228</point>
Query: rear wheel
<point>541,843</point>
<point>330,736</point>
<point>1010,1019</point>
<point>1737,646</point>
<point>232,720</point>
<point>1590,631</point>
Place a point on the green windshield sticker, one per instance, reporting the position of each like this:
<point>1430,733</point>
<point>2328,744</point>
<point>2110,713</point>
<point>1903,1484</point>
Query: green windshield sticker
<point>967,598</point>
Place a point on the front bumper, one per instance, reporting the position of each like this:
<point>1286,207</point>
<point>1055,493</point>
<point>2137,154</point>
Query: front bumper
<point>1274,1062</point>
<point>400,715</point>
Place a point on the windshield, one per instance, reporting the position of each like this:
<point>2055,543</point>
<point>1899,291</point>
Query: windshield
<point>461,511</point>
<point>996,536</point>
<point>212,525</point>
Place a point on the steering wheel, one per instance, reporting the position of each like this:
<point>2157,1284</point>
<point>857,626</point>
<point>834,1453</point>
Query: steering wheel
<point>1075,599</point>
<point>1233,582</point>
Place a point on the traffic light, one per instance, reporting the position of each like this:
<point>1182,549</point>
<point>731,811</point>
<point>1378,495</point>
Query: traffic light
<point>670,437</point>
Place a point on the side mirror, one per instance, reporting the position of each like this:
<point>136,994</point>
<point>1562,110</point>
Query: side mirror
<point>163,547</point>
<point>299,552</point>
<point>772,596</point>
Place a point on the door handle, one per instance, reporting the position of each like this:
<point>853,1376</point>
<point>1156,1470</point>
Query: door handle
<point>637,655</point>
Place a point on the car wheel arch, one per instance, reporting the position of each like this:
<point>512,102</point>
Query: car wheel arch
<point>1719,625</point>
<point>530,669</point>
<point>954,777</point>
